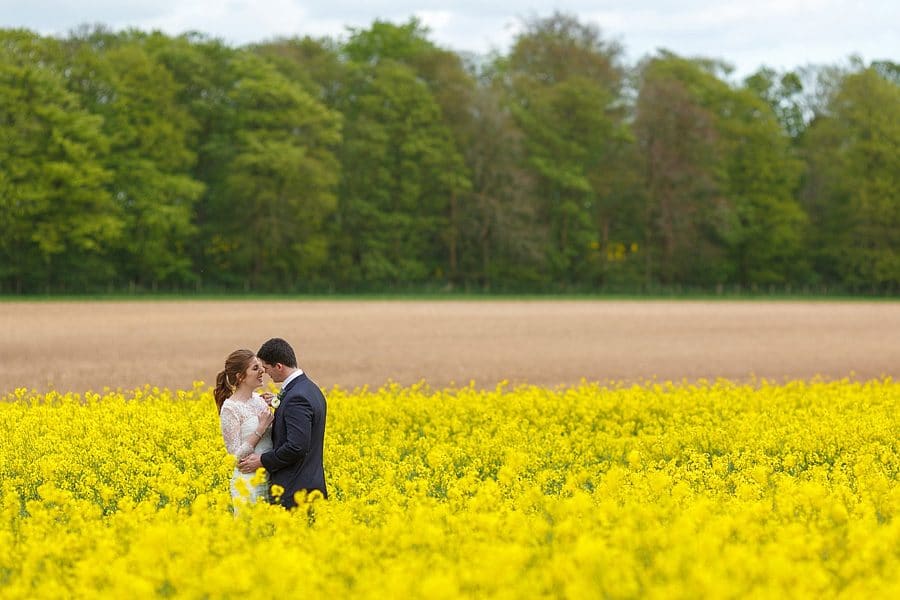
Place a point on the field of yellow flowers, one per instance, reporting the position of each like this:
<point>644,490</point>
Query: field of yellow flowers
<point>711,489</point>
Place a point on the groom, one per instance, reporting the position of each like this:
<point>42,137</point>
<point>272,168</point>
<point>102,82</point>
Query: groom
<point>298,433</point>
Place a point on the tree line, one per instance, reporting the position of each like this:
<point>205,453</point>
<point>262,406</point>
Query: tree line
<point>381,161</point>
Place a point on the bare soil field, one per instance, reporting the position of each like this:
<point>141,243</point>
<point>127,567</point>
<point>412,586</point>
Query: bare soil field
<point>80,346</point>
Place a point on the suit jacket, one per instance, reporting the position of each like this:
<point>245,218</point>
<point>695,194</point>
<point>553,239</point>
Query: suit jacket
<point>298,436</point>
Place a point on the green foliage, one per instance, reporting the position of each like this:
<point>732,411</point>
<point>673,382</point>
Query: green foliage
<point>149,155</point>
<point>279,187</point>
<point>853,183</point>
<point>680,142</point>
<point>139,161</point>
<point>401,167</point>
<point>722,177</point>
<point>57,216</point>
<point>564,87</point>
<point>767,226</point>
<point>400,171</point>
<point>783,94</point>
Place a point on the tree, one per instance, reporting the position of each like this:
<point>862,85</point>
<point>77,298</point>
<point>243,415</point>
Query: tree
<point>451,88</point>
<point>784,94</point>
<point>853,149</point>
<point>149,156</point>
<point>502,240</point>
<point>314,64</point>
<point>400,169</point>
<point>768,227</point>
<point>281,179</point>
<point>203,72</point>
<point>720,178</point>
<point>57,217</point>
<point>565,90</point>
<point>678,141</point>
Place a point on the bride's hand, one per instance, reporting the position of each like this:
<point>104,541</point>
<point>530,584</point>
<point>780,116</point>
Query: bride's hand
<point>266,416</point>
<point>268,397</point>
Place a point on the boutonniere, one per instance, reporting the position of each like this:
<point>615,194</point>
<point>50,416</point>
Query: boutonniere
<point>276,401</point>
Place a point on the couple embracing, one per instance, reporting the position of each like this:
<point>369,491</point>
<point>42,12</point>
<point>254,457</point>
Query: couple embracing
<point>283,434</point>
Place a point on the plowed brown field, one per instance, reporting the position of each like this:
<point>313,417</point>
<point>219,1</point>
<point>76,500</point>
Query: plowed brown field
<point>79,346</point>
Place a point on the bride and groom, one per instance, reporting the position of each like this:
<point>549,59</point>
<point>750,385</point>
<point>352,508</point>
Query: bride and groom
<point>283,434</point>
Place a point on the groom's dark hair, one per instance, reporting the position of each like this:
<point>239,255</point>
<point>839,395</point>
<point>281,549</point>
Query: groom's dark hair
<point>276,351</point>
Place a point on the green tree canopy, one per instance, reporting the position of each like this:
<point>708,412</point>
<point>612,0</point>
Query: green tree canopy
<point>854,179</point>
<point>57,216</point>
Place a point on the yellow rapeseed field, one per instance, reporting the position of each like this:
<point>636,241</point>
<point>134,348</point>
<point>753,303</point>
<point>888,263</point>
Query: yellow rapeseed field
<point>712,490</point>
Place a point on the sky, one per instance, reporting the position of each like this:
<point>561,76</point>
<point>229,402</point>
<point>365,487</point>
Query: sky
<point>781,34</point>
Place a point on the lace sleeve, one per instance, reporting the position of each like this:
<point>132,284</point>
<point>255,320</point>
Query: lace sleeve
<point>230,422</point>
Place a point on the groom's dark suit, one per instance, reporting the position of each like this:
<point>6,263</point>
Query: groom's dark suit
<point>298,435</point>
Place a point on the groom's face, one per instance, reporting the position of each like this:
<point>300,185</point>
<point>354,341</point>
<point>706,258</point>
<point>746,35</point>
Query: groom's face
<point>276,371</point>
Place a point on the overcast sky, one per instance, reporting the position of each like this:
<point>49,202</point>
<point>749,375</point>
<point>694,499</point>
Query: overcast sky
<point>747,33</point>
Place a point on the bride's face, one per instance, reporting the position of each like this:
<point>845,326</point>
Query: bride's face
<point>253,376</point>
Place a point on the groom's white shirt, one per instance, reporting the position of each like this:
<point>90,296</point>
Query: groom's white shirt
<point>291,377</point>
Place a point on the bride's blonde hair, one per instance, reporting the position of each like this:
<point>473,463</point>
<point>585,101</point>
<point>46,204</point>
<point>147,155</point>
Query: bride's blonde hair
<point>228,379</point>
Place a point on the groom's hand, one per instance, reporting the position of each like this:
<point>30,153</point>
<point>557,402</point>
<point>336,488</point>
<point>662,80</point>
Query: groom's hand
<point>249,464</point>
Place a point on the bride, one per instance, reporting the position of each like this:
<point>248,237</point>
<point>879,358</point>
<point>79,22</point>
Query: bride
<point>244,417</point>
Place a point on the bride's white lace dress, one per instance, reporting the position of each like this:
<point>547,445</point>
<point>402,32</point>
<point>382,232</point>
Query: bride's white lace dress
<point>238,420</point>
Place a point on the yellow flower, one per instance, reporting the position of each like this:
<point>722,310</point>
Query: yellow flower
<point>259,477</point>
<point>710,489</point>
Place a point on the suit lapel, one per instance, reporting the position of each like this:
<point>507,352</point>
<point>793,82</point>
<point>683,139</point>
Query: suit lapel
<point>286,389</point>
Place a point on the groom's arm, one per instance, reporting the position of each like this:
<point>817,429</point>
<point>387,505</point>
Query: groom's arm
<point>298,417</point>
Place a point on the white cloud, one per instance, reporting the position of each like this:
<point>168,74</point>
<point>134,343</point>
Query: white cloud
<point>436,20</point>
<point>237,21</point>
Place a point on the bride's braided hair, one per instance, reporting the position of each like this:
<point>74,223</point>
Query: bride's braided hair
<point>228,379</point>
